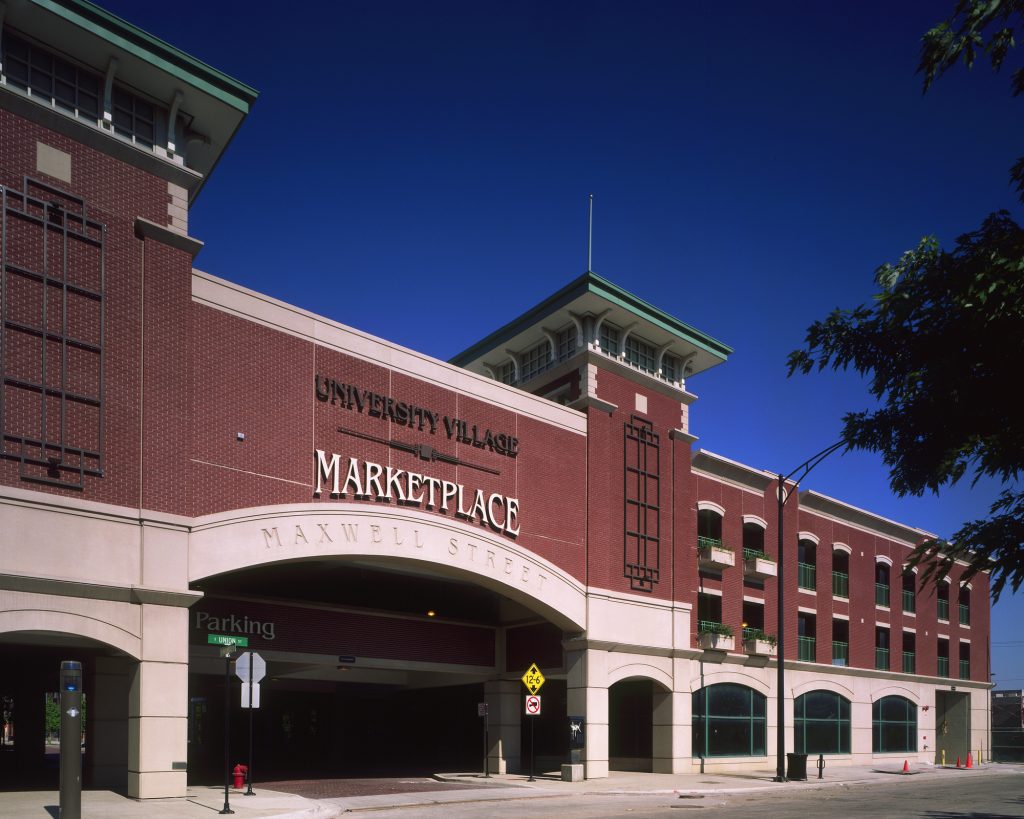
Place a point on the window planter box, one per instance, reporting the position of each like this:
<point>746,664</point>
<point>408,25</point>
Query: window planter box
<point>716,642</point>
<point>715,557</point>
<point>755,646</point>
<point>759,567</point>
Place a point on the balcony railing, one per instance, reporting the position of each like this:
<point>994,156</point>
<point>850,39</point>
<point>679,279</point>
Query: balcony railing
<point>840,584</point>
<point>965,614</point>
<point>882,659</point>
<point>805,649</point>
<point>943,609</point>
<point>943,667</point>
<point>840,653</point>
<point>806,575</point>
<point>909,662</point>
<point>882,594</point>
<point>708,542</point>
<point>965,669</point>
<point>908,602</point>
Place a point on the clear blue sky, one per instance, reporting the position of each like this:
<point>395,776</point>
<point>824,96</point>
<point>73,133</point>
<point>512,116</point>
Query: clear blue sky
<point>420,171</point>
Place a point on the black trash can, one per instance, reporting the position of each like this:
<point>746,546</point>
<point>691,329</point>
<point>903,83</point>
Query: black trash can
<point>796,766</point>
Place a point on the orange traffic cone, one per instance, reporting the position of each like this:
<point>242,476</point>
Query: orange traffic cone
<point>906,767</point>
<point>970,762</point>
<point>958,761</point>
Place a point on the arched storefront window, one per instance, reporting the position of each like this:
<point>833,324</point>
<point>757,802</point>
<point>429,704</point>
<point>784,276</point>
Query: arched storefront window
<point>822,723</point>
<point>893,725</point>
<point>728,720</point>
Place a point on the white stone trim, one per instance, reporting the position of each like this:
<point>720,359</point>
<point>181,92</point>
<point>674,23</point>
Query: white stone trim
<point>808,536</point>
<point>704,505</point>
<point>841,547</point>
<point>49,619</point>
<point>883,559</point>
<point>897,691</point>
<point>824,684</point>
<point>759,521</point>
<point>635,670</point>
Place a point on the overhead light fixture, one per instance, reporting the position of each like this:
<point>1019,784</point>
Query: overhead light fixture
<point>431,613</point>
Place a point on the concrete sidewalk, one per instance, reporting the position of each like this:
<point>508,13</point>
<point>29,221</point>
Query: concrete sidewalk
<point>208,801</point>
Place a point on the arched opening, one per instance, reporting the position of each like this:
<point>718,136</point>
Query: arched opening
<point>373,666</point>
<point>633,705</point>
<point>882,584</point>
<point>729,720</point>
<point>709,528</point>
<point>840,574</point>
<point>30,700</point>
<point>807,564</point>
<point>821,723</point>
<point>893,725</point>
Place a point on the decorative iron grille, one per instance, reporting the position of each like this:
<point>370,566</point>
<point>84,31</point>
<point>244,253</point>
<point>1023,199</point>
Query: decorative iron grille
<point>51,335</point>
<point>642,509</point>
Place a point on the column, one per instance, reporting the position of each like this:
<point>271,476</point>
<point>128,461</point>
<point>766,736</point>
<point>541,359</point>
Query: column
<point>504,700</point>
<point>158,706</point>
<point>106,733</point>
<point>587,696</point>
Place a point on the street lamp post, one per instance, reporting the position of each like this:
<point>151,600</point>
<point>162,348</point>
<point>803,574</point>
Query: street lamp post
<point>780,687</point>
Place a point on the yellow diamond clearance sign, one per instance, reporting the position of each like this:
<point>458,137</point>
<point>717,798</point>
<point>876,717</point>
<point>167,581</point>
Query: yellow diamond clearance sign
<point>533,679</point>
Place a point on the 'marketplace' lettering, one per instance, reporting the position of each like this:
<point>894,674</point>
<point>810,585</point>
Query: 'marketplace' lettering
<point>369,481</point>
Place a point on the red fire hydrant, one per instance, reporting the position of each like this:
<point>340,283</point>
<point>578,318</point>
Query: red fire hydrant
<point>239,772</point>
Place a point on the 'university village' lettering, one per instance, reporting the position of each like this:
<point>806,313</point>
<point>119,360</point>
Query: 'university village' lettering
<point>410,415</point>
<point>375,482</point>
<point>332,534</point>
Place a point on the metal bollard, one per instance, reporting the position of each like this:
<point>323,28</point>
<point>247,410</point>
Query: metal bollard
<point>821,765</point>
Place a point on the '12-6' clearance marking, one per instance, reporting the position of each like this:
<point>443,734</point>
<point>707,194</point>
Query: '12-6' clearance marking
<point>533,679</point>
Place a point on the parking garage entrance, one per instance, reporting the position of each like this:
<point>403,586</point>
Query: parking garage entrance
<point>371,670</point>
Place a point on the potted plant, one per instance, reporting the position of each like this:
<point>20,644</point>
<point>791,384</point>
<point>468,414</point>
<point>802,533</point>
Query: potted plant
<point>715,635</point>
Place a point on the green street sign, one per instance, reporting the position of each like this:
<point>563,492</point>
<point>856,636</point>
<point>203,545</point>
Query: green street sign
<point>226,640</point>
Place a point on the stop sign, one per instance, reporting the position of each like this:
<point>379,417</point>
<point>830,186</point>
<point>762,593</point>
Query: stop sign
<point>250,664</point>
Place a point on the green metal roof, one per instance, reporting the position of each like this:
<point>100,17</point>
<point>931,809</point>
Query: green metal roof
<point>590,282</point>
<point>133,40</point>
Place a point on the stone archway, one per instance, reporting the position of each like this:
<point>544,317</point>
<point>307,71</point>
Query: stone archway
<point>244,538</point>
<point>638,707</point>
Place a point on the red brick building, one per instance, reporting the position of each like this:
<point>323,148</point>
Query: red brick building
<point>399,537</point>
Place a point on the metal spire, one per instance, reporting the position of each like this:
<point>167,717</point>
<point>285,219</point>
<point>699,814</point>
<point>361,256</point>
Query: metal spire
<point>590,235</point>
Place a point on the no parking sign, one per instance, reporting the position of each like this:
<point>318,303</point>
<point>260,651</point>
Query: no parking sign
<point>533,706</point>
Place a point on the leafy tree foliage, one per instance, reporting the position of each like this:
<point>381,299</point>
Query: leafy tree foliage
<point>963,37</point>
<point>943,345</point>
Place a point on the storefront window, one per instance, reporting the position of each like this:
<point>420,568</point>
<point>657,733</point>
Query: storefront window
<point>893,725</point>
<point>728,720</point>
<point>822,723</point>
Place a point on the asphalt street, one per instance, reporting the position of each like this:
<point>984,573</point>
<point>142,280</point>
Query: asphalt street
<point>992,797</point>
